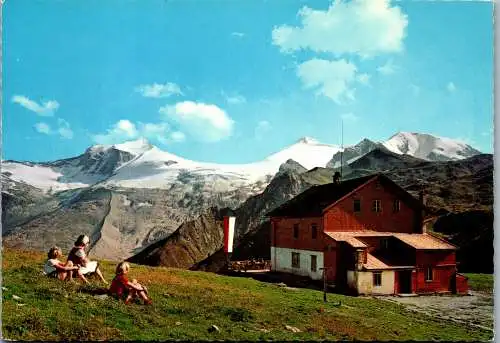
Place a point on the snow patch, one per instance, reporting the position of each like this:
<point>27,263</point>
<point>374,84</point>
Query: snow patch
<point>44,178</point>
<point>424,146</point>
<point>136,147</point>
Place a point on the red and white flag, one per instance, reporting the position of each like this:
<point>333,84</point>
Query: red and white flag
<point>228,233</point>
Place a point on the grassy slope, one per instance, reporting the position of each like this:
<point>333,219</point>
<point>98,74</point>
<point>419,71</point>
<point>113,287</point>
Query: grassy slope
<point>240,307</point>
<point>481,282</point>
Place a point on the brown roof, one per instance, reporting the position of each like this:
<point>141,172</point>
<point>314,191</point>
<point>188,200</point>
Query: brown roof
<point>416,240</point>
<point>313,201</point>
<point>424,241</point>
<point>350,237</point>
<point>373,263</point>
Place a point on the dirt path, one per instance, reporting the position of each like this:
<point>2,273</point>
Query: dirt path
<point>475,309</point>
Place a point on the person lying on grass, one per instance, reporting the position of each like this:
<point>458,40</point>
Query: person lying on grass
<point>56,269</point>
<point>121,287</point>
<point>78,256</point>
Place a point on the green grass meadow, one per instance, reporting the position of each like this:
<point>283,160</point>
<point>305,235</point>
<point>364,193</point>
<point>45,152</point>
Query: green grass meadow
<point>186,304</point>
<point>481,282</point>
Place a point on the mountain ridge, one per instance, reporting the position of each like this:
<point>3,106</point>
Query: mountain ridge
<point>139,164</point>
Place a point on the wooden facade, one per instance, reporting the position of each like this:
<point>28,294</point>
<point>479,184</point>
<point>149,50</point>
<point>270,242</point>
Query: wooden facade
<point>361,229</point>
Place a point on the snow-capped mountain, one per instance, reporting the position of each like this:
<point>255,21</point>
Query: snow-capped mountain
<point>429,147</point>
<point>138,164</point>
<point>352,153</point>
<point>419,145</point>
<point>132,194</point>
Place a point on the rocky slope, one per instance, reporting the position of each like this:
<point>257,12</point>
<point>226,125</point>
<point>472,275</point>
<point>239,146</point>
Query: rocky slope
<point>130,195</point>
<point>473,232</point>
<point>121,221</point>
<point>193,241</point>
<point>454,190</point>
<point>250,217</point>
<point>352,153</point>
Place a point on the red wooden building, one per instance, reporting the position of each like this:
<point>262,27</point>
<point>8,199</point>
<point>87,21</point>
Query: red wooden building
<point>369,235</point>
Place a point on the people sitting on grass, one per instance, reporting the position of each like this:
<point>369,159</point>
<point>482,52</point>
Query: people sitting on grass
<point>122,288</point>
<point>78,256</point>
<point>56,269</point>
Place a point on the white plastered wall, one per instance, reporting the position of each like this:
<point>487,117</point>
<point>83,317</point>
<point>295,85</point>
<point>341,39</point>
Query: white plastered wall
<point>281,261</point>
<point>363,282</point>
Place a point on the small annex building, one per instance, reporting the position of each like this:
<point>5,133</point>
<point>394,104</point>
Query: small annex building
<point>369,235</point>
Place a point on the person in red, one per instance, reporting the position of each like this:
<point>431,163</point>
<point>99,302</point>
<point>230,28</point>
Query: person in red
<point>55,268</point>
<point>121,287</point>
<point>78,257</point>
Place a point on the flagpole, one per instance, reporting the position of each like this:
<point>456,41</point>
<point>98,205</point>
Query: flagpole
<point>341,146</point>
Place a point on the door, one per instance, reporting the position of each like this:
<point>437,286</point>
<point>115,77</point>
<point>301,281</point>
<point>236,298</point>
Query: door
<point>404,282</point>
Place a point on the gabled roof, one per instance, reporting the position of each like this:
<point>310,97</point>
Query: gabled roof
<point>313,201</point>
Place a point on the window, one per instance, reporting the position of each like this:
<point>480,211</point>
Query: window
<point>314,263</point>
<point>377,279</point>
<point>384,243</point>
<point>357,205</point>
<point>428,274</point>
<point>295,260</point>
<point>314,231</point>
<point>295,231</point>
<point>396,206</point>
<point>376,206</point>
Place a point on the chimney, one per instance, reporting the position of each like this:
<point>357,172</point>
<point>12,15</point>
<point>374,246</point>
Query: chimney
<point>336,178</point>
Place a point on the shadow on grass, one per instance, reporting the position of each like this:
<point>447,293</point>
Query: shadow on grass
<point>290,280</point>
<point>93,290</point>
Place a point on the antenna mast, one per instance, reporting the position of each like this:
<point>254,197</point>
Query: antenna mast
<point>341,147</point>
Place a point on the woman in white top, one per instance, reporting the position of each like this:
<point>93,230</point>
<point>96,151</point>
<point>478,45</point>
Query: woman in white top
<point>78,256</point>
<point>56,269</point>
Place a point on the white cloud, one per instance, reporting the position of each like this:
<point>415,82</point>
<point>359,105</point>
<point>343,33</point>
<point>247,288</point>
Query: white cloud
<point>178,136</point>
<point>234,99</point>
<point>204,122</point>
<point>330,78</point>
<point>46,109</point>
<point>387,69</point>
<point>451,87</point>
<point>238,99</point>
<point>173,137</point>
<point>238,34</point>
<point>153,129</point>
<point>262,127</point>
<point>364,79</point>
<point>64,129</point>
<point>157,90</point>
<point>123,130</point>
<point>349,117</point>
<point>43,128</point>
<point>362,27</point>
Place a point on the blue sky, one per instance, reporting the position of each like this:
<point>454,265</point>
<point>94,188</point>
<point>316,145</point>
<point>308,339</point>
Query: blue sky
<point>234,81</point>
